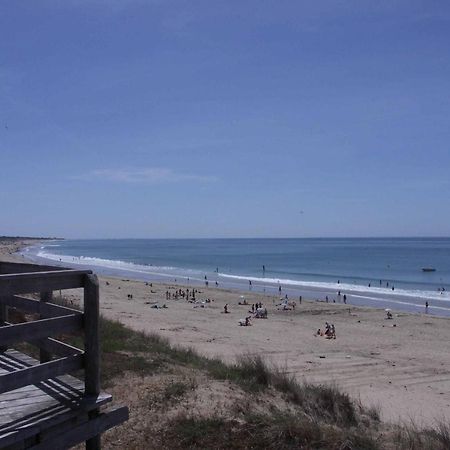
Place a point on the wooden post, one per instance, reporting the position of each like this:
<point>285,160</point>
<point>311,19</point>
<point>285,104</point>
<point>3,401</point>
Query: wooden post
<point>92,348</point>
<point>3,319</point>
<point>45,356</point>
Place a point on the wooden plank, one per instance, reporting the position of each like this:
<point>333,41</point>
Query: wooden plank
<point>45,297</point>
<point>94,442</point>
<point>32,306</point>
<point>40,328</point>
<point>91,335</point>
<point>23,283</point>
<point>3,320</point>
<point>24,304</point>
<point>84,432</point>
<point>50,417</point>
<point>56,347</point>
<point>35,374</point>
<point>92,350</point>
<point>10,267</point>
<point>3,313</point>
<point>50,432</point>
<point>19,358</point>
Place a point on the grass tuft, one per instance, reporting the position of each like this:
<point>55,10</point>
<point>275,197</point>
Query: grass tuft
<point>279,430</point>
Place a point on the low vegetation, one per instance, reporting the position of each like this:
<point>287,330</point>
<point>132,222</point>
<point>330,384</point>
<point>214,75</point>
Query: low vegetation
<point>250,404</point>
<point>311,417</point>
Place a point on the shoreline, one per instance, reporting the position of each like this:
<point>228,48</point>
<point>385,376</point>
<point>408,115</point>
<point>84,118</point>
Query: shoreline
<point>402,299</point>
<point>403,369</point>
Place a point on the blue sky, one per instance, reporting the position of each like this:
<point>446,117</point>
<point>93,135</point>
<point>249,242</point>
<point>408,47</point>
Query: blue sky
<point>171,118</point>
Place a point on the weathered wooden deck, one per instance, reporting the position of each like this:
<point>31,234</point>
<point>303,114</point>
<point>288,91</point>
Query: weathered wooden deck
<point>41,405</point>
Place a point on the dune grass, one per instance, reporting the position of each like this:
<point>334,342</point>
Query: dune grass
<point>278,430</point>
<point>323,417</point>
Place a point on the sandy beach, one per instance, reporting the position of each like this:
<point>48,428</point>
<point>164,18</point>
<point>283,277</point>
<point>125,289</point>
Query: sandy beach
<point>401,365</point>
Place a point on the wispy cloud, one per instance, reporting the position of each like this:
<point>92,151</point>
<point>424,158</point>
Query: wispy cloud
<point>150,175</point>
<point>114,6</point>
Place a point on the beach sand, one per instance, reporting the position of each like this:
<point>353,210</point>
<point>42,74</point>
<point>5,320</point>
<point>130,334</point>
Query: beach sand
<point>401,365</point>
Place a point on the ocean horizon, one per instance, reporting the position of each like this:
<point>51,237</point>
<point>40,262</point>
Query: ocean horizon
<point>377,272</point>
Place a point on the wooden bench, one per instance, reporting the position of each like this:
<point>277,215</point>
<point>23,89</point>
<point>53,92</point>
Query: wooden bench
<point>42,406</point>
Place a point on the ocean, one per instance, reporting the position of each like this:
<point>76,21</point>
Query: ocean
<point>377,272</point>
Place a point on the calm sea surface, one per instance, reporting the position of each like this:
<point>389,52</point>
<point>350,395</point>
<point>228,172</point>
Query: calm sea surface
<point>365,270</point>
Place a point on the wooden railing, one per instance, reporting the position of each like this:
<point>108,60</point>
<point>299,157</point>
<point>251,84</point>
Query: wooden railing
<point>56,357</point>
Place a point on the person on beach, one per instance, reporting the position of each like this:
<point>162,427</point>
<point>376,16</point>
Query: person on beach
<point>345,299</point>
<point>300,299</point>
<point>426,306</point>
<point>225,309</point>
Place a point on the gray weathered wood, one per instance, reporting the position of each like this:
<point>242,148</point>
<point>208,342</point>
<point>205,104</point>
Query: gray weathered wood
<point>44,356</point>
<point>40,328</point>
<point>35,307</point>
<point>23,283</point>
<point>92,350</point>
<point>35,374</point>
<point>3,313</point>
<point>94,427</point>
<point>91,335</point>
<point>10,267</point>
<point>37,408</point>
<point>94,442</point>
<point>54,346</point>
<point>3,320</point>
<point>58,348</point>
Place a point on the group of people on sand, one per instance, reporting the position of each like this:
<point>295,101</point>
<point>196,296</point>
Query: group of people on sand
<point>255,307</point>
<point>190,295</point>
<point>187,294</point>
<point>286,305</point>
<point>257,311</point>
<point>329,332</point>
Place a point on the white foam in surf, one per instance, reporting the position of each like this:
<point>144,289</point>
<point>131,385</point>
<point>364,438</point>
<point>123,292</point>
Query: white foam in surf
<point>112,264</point>
<point>346,287</point>
<point>399,302</point>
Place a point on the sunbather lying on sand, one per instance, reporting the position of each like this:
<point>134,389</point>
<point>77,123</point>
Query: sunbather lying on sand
<point>245,322</point>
